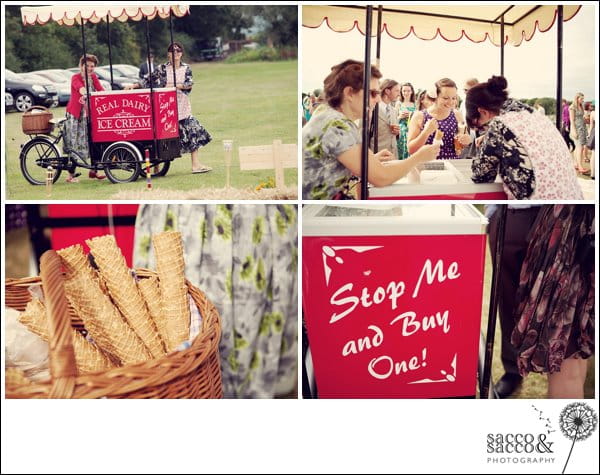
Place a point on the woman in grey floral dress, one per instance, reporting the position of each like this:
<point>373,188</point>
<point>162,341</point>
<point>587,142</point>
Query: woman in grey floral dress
<point>331,140</point>
<point>244,257</point>
<point>192,135</point>
<point>579,131</point>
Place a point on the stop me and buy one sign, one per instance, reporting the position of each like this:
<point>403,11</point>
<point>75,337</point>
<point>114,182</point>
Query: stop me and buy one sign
<point>394,316</point>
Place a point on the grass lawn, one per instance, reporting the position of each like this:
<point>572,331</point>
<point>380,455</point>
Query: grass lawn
<point>535,385</point>
<point>249,103</point>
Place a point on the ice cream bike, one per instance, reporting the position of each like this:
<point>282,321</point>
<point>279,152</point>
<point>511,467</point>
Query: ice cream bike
<point>128,130</point>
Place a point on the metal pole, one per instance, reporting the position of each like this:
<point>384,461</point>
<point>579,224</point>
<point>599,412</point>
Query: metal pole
<point>491,327</point>
<point>109,49</point>
<point>559,57</point>
<point>87,90</point>
<point>151,89</point>
<point>172,53</point>
<point>502,46</point>
<point>364,170</point>
<point>375,117</point>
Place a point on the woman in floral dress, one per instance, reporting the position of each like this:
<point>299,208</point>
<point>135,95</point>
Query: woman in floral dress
<point>554,333</point>
<point>244,258</point>
<point>192,135</point>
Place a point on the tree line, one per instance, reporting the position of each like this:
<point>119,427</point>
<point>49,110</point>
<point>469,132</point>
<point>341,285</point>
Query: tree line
<point>51,45</point>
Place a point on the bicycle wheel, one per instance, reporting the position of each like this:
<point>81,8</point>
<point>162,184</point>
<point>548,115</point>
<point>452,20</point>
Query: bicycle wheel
<point>160,169</point>
<point>122,162</point>
<point>35,158</point>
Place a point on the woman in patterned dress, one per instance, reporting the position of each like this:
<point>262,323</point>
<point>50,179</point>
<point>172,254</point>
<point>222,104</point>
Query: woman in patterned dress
<point>406,109</point>
<point>441,115</point>
<point>331,141</point>
<point>244,258</point>
<point>521,146</point>
<point>192,135</point>
<point>554,332</point>
<point>75,127</point>
<point>579,131</point>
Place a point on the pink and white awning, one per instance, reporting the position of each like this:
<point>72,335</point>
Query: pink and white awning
<point>451,22</point>
<point>74,14</point>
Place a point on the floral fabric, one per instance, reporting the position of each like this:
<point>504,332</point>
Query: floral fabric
<point>244,257</point>
<point>328,134</point>
<point>555,314</point>
<point>528,153</point>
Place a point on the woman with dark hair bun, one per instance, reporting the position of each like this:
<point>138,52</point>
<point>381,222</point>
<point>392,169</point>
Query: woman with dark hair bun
<point>331,140</point>
<point>523,147</point>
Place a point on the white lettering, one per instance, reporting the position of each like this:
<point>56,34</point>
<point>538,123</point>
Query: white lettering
<point>384,366</point>
<point>364,343</point>
<point>410,324</point>
<point>348,300</point>
<point>439,269</point>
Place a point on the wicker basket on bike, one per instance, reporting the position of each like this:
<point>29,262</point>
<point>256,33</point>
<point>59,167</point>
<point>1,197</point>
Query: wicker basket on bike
<point>36,121</point>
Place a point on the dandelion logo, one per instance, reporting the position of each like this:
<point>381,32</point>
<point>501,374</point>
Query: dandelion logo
<point>577,422</point>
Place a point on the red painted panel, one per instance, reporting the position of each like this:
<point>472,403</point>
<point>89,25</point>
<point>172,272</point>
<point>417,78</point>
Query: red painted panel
<point>394,316</point>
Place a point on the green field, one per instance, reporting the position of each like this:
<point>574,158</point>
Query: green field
<point>249,103</point>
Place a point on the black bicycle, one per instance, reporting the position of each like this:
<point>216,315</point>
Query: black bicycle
<point>121,161</point>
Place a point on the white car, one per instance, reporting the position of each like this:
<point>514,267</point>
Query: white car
<point>8,100</point>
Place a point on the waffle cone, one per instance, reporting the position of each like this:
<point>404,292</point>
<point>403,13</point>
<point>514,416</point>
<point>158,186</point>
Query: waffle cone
<point>124,292</point>
<point>439,134</point>
<point>15,377</point>
<point>151,294</point>
<point>170,267</point>
<point>88,357</point>
<point>76,263</point>
<point>104,322</point>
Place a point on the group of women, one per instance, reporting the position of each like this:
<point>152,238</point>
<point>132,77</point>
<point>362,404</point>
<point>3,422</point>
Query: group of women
<point>192,134</point>
<point>520,146</point>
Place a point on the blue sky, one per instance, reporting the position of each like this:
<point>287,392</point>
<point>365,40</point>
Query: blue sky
<point>530,68</point>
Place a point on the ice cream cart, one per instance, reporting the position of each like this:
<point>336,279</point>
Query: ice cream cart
<point>440,180</point>
<point>392,298</point>
<point>128,129</point>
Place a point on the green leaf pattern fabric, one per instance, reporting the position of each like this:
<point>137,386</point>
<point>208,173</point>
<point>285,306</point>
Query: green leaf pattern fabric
<point>244,257</point>
<point>324,137</point>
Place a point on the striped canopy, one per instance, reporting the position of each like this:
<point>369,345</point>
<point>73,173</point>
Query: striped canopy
<point>73,14</point>
<point>451,22</point>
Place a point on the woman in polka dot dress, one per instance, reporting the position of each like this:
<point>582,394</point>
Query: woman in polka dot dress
<point>441,115</point>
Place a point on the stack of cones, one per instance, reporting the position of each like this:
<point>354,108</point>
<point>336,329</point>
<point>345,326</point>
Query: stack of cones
<point>129,321</point>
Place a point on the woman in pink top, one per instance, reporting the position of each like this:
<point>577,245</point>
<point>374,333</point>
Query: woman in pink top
<point>76,137</point>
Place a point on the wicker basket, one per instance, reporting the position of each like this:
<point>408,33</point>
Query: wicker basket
<point>36,122</point>
<point>191,373</point>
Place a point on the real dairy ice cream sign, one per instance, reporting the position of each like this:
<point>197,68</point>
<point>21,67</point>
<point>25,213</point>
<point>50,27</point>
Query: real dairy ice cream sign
<point>128,116</point>
<point>394,317</point>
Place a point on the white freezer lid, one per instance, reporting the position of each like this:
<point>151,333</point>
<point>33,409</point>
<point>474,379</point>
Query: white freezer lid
<point>375,219</point>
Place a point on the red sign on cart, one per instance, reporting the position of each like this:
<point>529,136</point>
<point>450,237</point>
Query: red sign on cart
<point>394,317</point>
<point>127,115</point>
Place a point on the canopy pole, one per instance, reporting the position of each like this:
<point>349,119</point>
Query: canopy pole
<point>87,90</point>
<point>375,117</point>
<point>109,49</point>
<point>502,45</point>
<point>364,169</point>
<point>151,87</point>
<point>484,389</point>
<point>173,62</point>
<point>559,68</point>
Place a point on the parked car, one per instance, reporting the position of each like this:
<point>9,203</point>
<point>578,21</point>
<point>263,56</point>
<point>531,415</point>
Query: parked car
<point>63,86</point>
<point>103,73</point>
<point>8,100</point>
<point>28,93</point>
<point>69,74</point>
<point>126,70</point>
<point>211,49</point>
